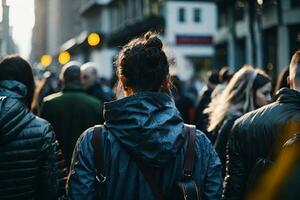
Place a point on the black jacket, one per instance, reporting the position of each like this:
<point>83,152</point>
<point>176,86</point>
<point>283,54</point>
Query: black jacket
<point>254,136</point>
<point>201,119</point>
<point>222,136</point>
<point>30,167</point>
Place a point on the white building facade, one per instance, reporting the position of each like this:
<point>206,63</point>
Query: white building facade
<point>189,31</point>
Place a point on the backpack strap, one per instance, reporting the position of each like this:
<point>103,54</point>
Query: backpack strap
<point>98,145</point>
<point>149,176</point>
<point>190,134</point>
<point>190,131</point>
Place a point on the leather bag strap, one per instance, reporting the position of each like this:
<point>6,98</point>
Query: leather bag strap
<point>98,145</point>
<point>187,171</point>
<point>149,176</point>
<point>190,134</point>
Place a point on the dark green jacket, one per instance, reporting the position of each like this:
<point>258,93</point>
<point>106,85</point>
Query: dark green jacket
<point>146,126</point>
<point>71,112</point>
<point>31,165</point>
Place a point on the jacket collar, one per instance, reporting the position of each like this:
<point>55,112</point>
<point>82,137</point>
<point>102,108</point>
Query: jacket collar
<point>73,87</point>
<point>286,95</point>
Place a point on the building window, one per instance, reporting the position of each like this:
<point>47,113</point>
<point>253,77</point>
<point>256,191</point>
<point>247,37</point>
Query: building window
<point>181,15</point>
<point>222,16</point>
<point>197,15</point>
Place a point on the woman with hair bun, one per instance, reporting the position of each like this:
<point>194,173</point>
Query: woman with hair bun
<point>143,128</point>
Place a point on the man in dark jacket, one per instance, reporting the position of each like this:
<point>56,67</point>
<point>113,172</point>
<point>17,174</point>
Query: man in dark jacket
<point>256,134</point>
<point>71,111</point>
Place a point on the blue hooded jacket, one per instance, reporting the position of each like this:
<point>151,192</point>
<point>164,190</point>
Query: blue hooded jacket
<point>144,126</point>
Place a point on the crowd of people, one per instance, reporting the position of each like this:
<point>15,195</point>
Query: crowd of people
<point>75,139</point>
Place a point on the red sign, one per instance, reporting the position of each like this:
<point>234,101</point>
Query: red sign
<point>194,40</point>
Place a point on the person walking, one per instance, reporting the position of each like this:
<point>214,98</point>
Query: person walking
<point>31,164</point>
<point>71,111</point>
<point>256,135</point>
<point>248,90</point>
<point>201,118</point>
<point>143,128</point>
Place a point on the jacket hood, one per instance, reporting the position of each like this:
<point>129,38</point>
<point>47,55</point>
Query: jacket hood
<point>147,124</point>
<point>286,95</point>
<point>13,112</point>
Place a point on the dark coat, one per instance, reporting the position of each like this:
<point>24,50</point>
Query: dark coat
<point>31,165</point>
<point>254,136</point>
<point>201,119</point>
<point>185,106</point>
<point>222,136</point>
<point>101,92</point>
<point>70,112</point>
<point>145,126</point>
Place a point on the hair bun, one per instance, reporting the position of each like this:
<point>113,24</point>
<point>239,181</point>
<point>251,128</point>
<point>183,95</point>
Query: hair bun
<point>152,40</point>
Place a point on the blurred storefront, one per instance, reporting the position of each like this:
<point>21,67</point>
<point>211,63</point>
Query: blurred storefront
<point>263,33</point>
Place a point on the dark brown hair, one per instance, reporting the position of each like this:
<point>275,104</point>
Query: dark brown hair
<point>261,79</point>
<point>144,64</point>
<point>18,69</point>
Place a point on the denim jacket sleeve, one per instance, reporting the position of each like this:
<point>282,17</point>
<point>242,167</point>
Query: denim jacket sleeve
<point>212,183</point>
<point>81,180</point>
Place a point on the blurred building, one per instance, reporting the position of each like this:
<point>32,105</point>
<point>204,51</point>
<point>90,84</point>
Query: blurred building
<point>7,45</point>
<point>56,21</point>
<point>186,26</point>
<point>264,33</point>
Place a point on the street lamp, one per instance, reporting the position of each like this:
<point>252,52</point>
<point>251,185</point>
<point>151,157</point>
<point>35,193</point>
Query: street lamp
<point>260,2</point>
<point>94,39</point>
<point>64,57</point>
<point>46,60</point>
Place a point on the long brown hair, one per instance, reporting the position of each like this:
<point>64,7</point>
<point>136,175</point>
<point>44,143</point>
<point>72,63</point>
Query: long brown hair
<point>237,97</point>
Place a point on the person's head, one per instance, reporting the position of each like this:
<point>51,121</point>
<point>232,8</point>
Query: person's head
<point>213,79</point>
<point>248,89</point>
<point>70,73</point>
<point>88,74</point>
<point>262,89</point>
<point>294,74</point>
<point>142,65</point>
<point>225,75</point>
<point>18,69</point>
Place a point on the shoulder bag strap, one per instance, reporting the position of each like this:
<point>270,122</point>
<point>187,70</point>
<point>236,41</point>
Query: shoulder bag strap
<point>149,176</point>
<point>190,131</point>
<point>98,145</point>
